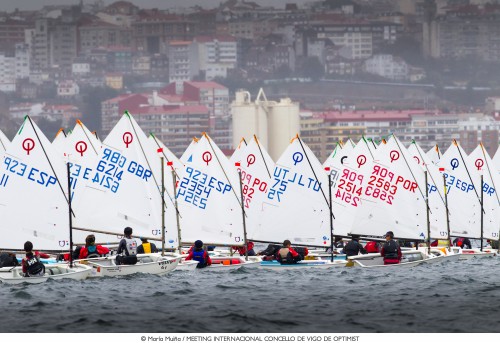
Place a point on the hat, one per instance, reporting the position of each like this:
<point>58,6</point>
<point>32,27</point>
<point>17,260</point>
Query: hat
<point>144,239</point>
<point>127,231</point>
<point>198,244</point>
<point>389,233</point>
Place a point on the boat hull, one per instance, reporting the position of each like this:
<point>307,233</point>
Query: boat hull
<point>305,264</point>
<point>14,275</point>
<point>147,264</point>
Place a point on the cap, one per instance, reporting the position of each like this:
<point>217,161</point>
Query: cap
<point>389,233</point>
<point>198,244</point>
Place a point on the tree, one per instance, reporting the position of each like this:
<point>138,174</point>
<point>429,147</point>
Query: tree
<point>91,107</point>
<point>311,67</point>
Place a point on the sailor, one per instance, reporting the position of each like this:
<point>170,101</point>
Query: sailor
<point>127,249</point>
<point>353,247</point>
<point>199,254</point>
<point>31,263</point>
<point>337,244</point>
<point>8,259</point>
<point>90,250</point>
<point>462,242</point>
<point>391,252</point>
<point>242,250</point>
<point>146,247</point>
<point>288,255</point>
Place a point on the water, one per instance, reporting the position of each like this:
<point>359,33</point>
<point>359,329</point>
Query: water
<point>462,296</point>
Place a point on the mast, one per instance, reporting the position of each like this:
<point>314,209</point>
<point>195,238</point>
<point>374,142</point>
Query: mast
<point>331,212</point>
<point>70,219</point>
<point>174,180</point>
<point>427,210</point>
<point>447,213</point>
<point>243,215</point>
<point>482,211</point>
<point>162,207</point>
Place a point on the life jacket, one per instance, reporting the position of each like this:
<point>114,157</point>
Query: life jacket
<point>34,267</point>
<point>92,252</point>
<point>284,256</point>
<point>391,250</point>
<point>460,242</point>
<point>131,246</point>
<point>146,247</point>
<point>199,255</point>
<point>372,247</point>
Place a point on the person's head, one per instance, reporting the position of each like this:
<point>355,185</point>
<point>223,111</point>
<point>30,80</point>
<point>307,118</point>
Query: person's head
<point>198,244</point>
<point>90,240</point>
<point>127,231</point>
<point>355,237</point>
<point>337,239</point>
<point>389,235</point>
<point>287,243</point>
<point>144,240</point>
<point>28,246</point>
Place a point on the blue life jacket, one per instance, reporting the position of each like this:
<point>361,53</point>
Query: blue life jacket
<point>199,255</point>
<point>92,251</point>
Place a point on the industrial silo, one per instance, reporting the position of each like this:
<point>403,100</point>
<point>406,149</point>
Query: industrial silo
<point>249,118</point>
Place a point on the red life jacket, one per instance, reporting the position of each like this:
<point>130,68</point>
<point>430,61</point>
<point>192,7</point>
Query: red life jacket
<point>460,241</point>
<point>372,247</point>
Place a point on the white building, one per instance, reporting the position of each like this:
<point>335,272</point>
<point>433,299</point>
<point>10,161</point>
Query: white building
<point>216,54</point>
<point>80,68</point>
<point>67,88</point>
<point>7,74</point>
<point>387,66</point>
<point>22,61</point>
<point>182,62</point>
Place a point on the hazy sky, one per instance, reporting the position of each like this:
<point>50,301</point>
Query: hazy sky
<point>10,5</point>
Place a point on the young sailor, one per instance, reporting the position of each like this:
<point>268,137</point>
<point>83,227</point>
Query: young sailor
<point>90,250</point>
<point>353,247</point>
<point>146,247</point>
<point>31,263</point>
<point>200,255</point>
<point>288,255</point>
<point>391,252</point>
<point>242,250</point>
<point>127,249</point>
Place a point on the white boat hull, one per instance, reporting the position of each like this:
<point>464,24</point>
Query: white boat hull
<point>304,264</point>
<point>147,264</point>
<point>410,259</point>
<point>229,263</point>
<point>14,275</point>
<point>467,254</point>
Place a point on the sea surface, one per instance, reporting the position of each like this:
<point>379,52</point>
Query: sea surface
<point>462,296</point>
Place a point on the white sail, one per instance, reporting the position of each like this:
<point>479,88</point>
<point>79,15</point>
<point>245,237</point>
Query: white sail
<point>209,198</point>
<point>256,167</point>
<point>236,156</point>
<point>436,189</point>
<point>463,202</point>
<point>187,155</point>
<point>393,198</point>
<point>296,207</point>
<point>121,190</point>
<point>434,154</point>
<point>33,187</point>
<point>348,170</point>
<point>59,142</point>
<point>4,143</point>
<point>496,161</point>
<point>480,163</point>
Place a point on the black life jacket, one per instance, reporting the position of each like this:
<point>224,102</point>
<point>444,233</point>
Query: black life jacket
<point>352,248</point>
<point>34,267</point>
<point>8,260</point>
<point>391,249</point>
<point>284,256</point>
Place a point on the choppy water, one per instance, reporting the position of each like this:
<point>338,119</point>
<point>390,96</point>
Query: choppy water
<point>461,296</point>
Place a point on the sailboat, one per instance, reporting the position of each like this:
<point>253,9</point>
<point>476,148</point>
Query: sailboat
<point>463,198</point>
<point>296,206</point>
<point>34,203</point>
<point>209,202</point>
<point>4,143</point>
<point>393,198</point>
<point>121,192</point>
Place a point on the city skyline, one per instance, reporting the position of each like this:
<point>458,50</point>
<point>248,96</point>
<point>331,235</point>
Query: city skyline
<point>161,4</point>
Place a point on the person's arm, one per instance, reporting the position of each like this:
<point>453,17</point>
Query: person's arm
<point>42,255</point>
<point>83,254</point>
<point>400,254</point>
<point>293,252</point>
<point>382,251</point>
<point>189,256</point>
<point>23,262</point>
<point>207,258</point>
<point>140,249</point>
<point>102,250</point>
<point>154,248</point>
<point>121,247</point>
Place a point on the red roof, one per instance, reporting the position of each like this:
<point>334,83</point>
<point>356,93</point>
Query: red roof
<point>172,109</point>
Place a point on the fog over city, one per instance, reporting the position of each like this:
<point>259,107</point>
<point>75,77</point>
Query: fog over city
<point>9,5</point>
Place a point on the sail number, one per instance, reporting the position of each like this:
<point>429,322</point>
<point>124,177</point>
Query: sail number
<point>250,185</point>
<point>31,173</point>
<point>283,177</point>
